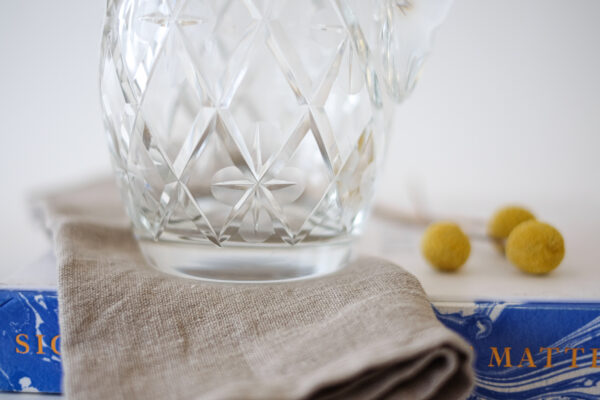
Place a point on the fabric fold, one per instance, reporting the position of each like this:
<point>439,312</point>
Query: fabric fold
<point>129,331</point>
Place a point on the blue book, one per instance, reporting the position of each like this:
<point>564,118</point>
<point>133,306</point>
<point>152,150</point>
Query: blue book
<point>524,350</point>
<point>29,341</point>
<point>530,350</point>
<point>532,337</point>
<point>29,331</point>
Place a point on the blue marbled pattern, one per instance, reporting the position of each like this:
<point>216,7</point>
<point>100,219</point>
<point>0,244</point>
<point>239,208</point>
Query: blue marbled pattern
<point>487,324</point>
<point>30,313</point>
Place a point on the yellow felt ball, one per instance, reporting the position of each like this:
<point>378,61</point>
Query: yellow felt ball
<point>506,219</point>
<point>445,246</point>
<point>535,247</point>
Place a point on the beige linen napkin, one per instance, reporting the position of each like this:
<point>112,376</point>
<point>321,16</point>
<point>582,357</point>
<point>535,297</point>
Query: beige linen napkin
<point>131,332</point>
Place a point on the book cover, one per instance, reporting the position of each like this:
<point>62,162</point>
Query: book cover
<point>530,350</point>
<point>29,341</point>
<point>524,350</point>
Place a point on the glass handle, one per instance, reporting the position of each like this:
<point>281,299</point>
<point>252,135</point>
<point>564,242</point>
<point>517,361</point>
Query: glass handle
<point>406,38</point>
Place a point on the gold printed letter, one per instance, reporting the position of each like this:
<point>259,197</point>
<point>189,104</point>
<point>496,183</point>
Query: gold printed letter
<point>53,344</point>
<point>40,340</point>
<point>496,355</point>
<point>22,343</point>
<point>549,351</point>
<point>595,358</point>
<point>527,357</point>
<point>574,351</point>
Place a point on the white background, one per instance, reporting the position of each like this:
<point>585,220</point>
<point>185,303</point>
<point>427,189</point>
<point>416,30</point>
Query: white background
<point>507,110</point>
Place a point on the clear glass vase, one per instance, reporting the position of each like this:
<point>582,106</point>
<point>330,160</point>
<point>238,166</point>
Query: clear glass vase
<point>246,135</point>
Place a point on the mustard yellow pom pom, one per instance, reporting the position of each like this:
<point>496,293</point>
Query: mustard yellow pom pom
<point>445,246</point>
<point>506,219</point>
<point>535,247</point>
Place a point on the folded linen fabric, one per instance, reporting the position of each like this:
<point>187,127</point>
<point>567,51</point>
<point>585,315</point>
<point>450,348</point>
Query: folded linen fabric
<point>129,331</point>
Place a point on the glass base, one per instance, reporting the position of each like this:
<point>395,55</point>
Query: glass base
<point>245,263</point>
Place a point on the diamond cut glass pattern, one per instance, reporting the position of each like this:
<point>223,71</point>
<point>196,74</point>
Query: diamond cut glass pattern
<point>255,125</point>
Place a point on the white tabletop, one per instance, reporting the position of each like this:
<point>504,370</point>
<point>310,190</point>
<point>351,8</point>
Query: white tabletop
<point>488,274</point>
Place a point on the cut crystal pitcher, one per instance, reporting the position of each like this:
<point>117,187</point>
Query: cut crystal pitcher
<point>245,134</point>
